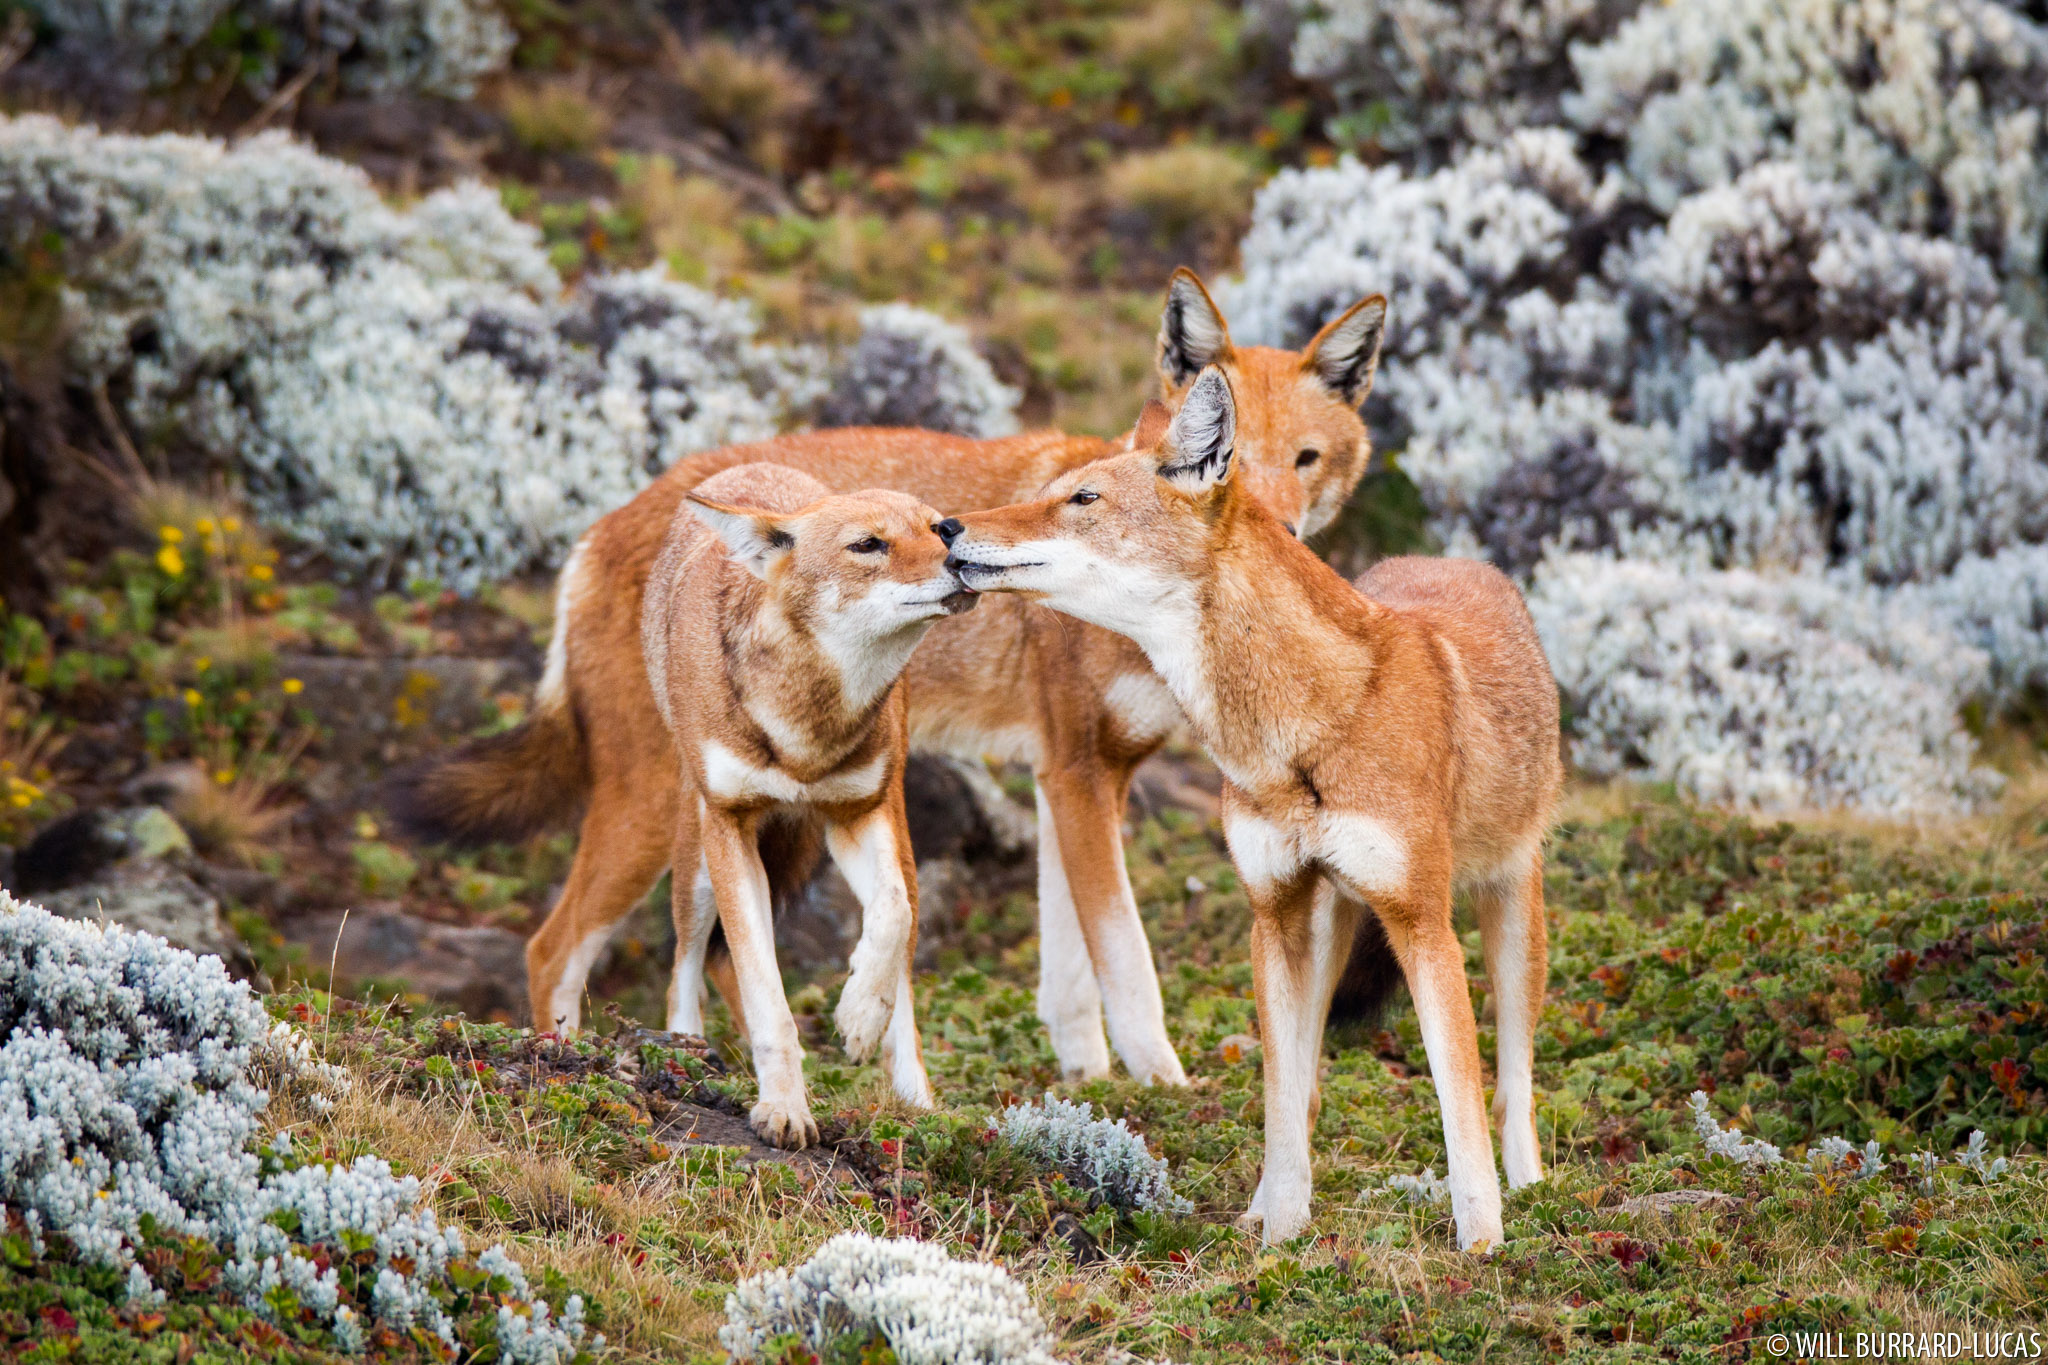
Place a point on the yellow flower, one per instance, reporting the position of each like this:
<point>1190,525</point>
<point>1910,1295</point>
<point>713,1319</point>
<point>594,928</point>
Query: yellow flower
<point>231,524</point>
<point>260,572</point>
<point>170,561</point>
<point>204,526</point>
<point>171,534</point>
<point>224,776</point>
<point>202,663</point>
<point>22,800</point>
<point>192,698</point>
<point>292,687</point>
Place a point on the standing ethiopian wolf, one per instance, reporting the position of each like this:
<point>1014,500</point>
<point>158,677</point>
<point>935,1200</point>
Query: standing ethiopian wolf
<point>776,622</point>
<point>1391,740</point>
<point>1081,706</point>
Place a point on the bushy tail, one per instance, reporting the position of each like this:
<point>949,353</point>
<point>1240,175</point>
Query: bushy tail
<point>500,789</point>
<point>1370,975</point>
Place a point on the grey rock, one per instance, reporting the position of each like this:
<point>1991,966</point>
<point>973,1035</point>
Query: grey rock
<point>1667,1202</point>
<point>479,969</point>
<point>147,886</point>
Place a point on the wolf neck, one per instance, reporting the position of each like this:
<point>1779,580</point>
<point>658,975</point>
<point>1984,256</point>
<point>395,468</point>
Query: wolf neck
<point>813,698</point>
<point>1261,650</point>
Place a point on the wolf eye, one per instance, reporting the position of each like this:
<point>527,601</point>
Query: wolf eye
<point>872,545</point>
<point>1307,458</point>
<point>1084,497</point>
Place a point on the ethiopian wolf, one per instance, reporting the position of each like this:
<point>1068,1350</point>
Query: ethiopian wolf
<point>1080,706</point>
<point>774,658</point>
<point>1386,742</point>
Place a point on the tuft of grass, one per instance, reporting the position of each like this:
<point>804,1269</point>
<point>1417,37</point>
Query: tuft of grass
<point>555,115</point>
<point>752,95</point>
<point>1192,192</point>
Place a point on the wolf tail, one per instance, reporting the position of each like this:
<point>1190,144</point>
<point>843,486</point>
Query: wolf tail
<point>505,787</point>
<point>1370,975</point>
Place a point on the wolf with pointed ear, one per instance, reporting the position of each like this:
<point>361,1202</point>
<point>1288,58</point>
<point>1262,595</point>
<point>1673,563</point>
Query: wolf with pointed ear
<point>1302,445</point>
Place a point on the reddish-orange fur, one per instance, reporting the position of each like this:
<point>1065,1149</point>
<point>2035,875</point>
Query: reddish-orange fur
<point>1009,680</point>
<point>1380,743</point>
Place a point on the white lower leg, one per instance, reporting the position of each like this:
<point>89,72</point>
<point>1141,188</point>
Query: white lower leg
<point>1514,1094</point>
<point>867,856</point>
<point>782,1115</point>
<point>693,937</point>
<point>1287,989</point>
<point>1069,1002</point>
<point>1436,980</point>
<point>565,1003</point>
<point>1129,987</point>
<point>900,1047</point>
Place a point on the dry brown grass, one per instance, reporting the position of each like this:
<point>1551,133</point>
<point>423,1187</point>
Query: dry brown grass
<point>752,95</point>
<point>564,114</point>
<point>1190,191</point>
<point>691,221</point>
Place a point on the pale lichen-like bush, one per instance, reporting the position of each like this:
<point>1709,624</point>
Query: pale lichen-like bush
<point>1416,74</point>
<point>1106,1159</point>
<point>929,1308</point>
<point>1728,1142</point>
<point>911,368</point>
<point>1807,357</point>
<point>1427,1188</point>
<point>1928,113</point>
<point>1771,691</point>
<point>413,393</point>
<point>124,1084</point>
<point>437,47</point>
<point>126,1094</point>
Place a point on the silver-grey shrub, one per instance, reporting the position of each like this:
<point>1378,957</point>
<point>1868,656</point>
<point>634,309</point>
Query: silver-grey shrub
<point>1106,1159</point>
<point>1778,315</point>
<point>436,47</point>
<point>127,1093</point>
<point>124,1084</point>
<point>413,393</point>
<point>931,1309</point>
<point>911,368</point>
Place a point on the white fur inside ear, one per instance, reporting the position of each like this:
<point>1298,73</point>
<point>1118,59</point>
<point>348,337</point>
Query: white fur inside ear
<point>752,538</point>
<point>1191,335</point>
<point>1347,357</point>
<point>1204,431</point>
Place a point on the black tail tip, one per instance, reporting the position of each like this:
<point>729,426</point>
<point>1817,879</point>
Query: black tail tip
<point>1371,976</point>
<point>417,813</point>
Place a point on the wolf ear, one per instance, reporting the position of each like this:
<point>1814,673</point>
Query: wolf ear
<point>1347,351</point>
<point>755,539</point>
<point>1192,334</point>
<point>1203,436</point>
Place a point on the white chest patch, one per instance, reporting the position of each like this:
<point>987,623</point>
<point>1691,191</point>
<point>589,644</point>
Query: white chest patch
<point>1145,711</point>
<point>731,778</point>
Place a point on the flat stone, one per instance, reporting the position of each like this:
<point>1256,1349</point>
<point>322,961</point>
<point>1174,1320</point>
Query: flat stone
<point>153,897</point>
<point>693,1125</point>
<point>480,969</point>
<point>1667,1202</point>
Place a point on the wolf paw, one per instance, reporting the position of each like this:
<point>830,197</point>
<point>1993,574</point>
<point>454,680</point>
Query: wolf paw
<point>865,1008</point>
<point>783,1124</point>
<point>1275,1216</point>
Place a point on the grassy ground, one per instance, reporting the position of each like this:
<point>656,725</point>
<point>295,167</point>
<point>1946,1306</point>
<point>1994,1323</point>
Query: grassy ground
<point>1887,986</point>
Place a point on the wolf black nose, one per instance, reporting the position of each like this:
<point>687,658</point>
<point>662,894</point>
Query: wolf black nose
<point>949,528</point>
